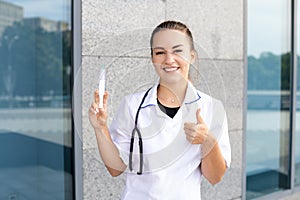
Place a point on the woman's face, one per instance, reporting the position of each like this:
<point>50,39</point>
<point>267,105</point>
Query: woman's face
<point>172,55</point>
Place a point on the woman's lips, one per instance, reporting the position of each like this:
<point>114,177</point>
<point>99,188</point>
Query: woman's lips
<point>170,69</point>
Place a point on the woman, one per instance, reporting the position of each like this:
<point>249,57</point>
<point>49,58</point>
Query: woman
<point>184,132</point>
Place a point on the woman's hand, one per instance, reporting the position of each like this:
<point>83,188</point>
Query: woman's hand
<point>213,165</point>
<point>98,116</point>
<point>196,133</point>
<point>107,149</point>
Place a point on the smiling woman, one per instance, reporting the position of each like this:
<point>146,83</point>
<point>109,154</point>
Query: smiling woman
<point>172,53</point>
<point>182,132</point>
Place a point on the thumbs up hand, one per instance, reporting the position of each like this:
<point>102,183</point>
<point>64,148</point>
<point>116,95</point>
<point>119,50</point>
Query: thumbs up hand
<point>196,133</point>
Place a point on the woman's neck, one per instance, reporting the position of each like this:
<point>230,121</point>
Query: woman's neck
<point>172,94</point>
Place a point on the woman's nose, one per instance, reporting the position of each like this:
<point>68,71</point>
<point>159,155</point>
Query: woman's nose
<point>169,58</point>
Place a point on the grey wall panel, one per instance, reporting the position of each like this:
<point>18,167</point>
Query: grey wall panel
<point>116,34</point>
<point>217,25</point>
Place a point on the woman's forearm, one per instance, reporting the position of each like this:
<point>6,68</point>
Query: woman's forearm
<point>213,165</point>
<point>109,152</point>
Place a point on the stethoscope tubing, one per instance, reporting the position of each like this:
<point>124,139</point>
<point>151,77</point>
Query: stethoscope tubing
<point>136,129</point>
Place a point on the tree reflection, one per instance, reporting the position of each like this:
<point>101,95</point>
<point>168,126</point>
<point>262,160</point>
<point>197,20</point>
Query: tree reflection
<point>269,81</point>
<point>39,62</point>
<point>270,72</point>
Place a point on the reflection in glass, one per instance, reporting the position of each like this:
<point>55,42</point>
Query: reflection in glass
<point>35,101</point>
<point>268,115</point>
<point>297,134</point>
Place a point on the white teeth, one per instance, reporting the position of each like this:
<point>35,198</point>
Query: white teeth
<point>170,69</point>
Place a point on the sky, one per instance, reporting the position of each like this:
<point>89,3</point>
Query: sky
<point>50,9</point>
<point>268,27</point>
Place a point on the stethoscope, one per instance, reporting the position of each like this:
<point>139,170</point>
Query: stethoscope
<point>136,129</point>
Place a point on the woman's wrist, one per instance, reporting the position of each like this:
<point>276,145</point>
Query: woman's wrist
<point>208,144</point>
<point>101,129</point>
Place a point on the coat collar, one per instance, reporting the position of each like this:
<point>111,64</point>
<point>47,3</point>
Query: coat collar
<point>191,96</point>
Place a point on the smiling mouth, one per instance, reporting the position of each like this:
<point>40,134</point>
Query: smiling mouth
<point>170,69</point>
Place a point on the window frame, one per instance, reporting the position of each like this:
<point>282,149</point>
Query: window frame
<point>77,101</point>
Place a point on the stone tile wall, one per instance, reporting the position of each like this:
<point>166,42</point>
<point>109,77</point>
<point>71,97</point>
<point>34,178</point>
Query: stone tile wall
<point>116,34</point>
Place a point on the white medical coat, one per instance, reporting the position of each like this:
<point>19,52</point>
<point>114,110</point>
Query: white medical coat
<point>171,163</point>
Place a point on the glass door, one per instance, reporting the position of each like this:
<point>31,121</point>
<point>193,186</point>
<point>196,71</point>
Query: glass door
<point>268,109</point>
<point>35,100</point>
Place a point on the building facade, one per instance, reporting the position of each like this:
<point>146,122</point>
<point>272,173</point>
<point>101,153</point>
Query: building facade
<point>9,13</point>
<point>50,65</point>
<point>46,24</point>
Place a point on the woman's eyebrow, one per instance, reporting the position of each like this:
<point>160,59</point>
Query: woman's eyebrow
<point>174,47</point>
<point>159,48</point>
<point>179,45</point>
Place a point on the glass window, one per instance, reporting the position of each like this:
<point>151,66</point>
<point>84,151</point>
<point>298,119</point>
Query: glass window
<point>268,109</point>
<point>35,100</point>
<point>297,139</point>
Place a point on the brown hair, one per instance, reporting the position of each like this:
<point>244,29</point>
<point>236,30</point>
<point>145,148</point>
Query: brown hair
<point>173,25</point>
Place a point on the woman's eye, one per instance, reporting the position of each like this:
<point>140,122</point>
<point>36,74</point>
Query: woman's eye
<point>178,51</point>
<point>159,53</point>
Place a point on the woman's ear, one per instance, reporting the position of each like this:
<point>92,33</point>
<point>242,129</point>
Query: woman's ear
<point>193,56</point>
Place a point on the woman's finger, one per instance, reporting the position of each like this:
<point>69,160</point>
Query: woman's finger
<point>190,126</point>
<point>92,111</point>
<point>201,127</point>
<point>190,133</point>
<point>190,138</point>
<point>95,106</point>
<point>105,97</point>
<point>96,97</point>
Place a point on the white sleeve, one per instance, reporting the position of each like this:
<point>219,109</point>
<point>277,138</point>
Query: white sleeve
<point>219,128</point>
<point>121,129</point>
